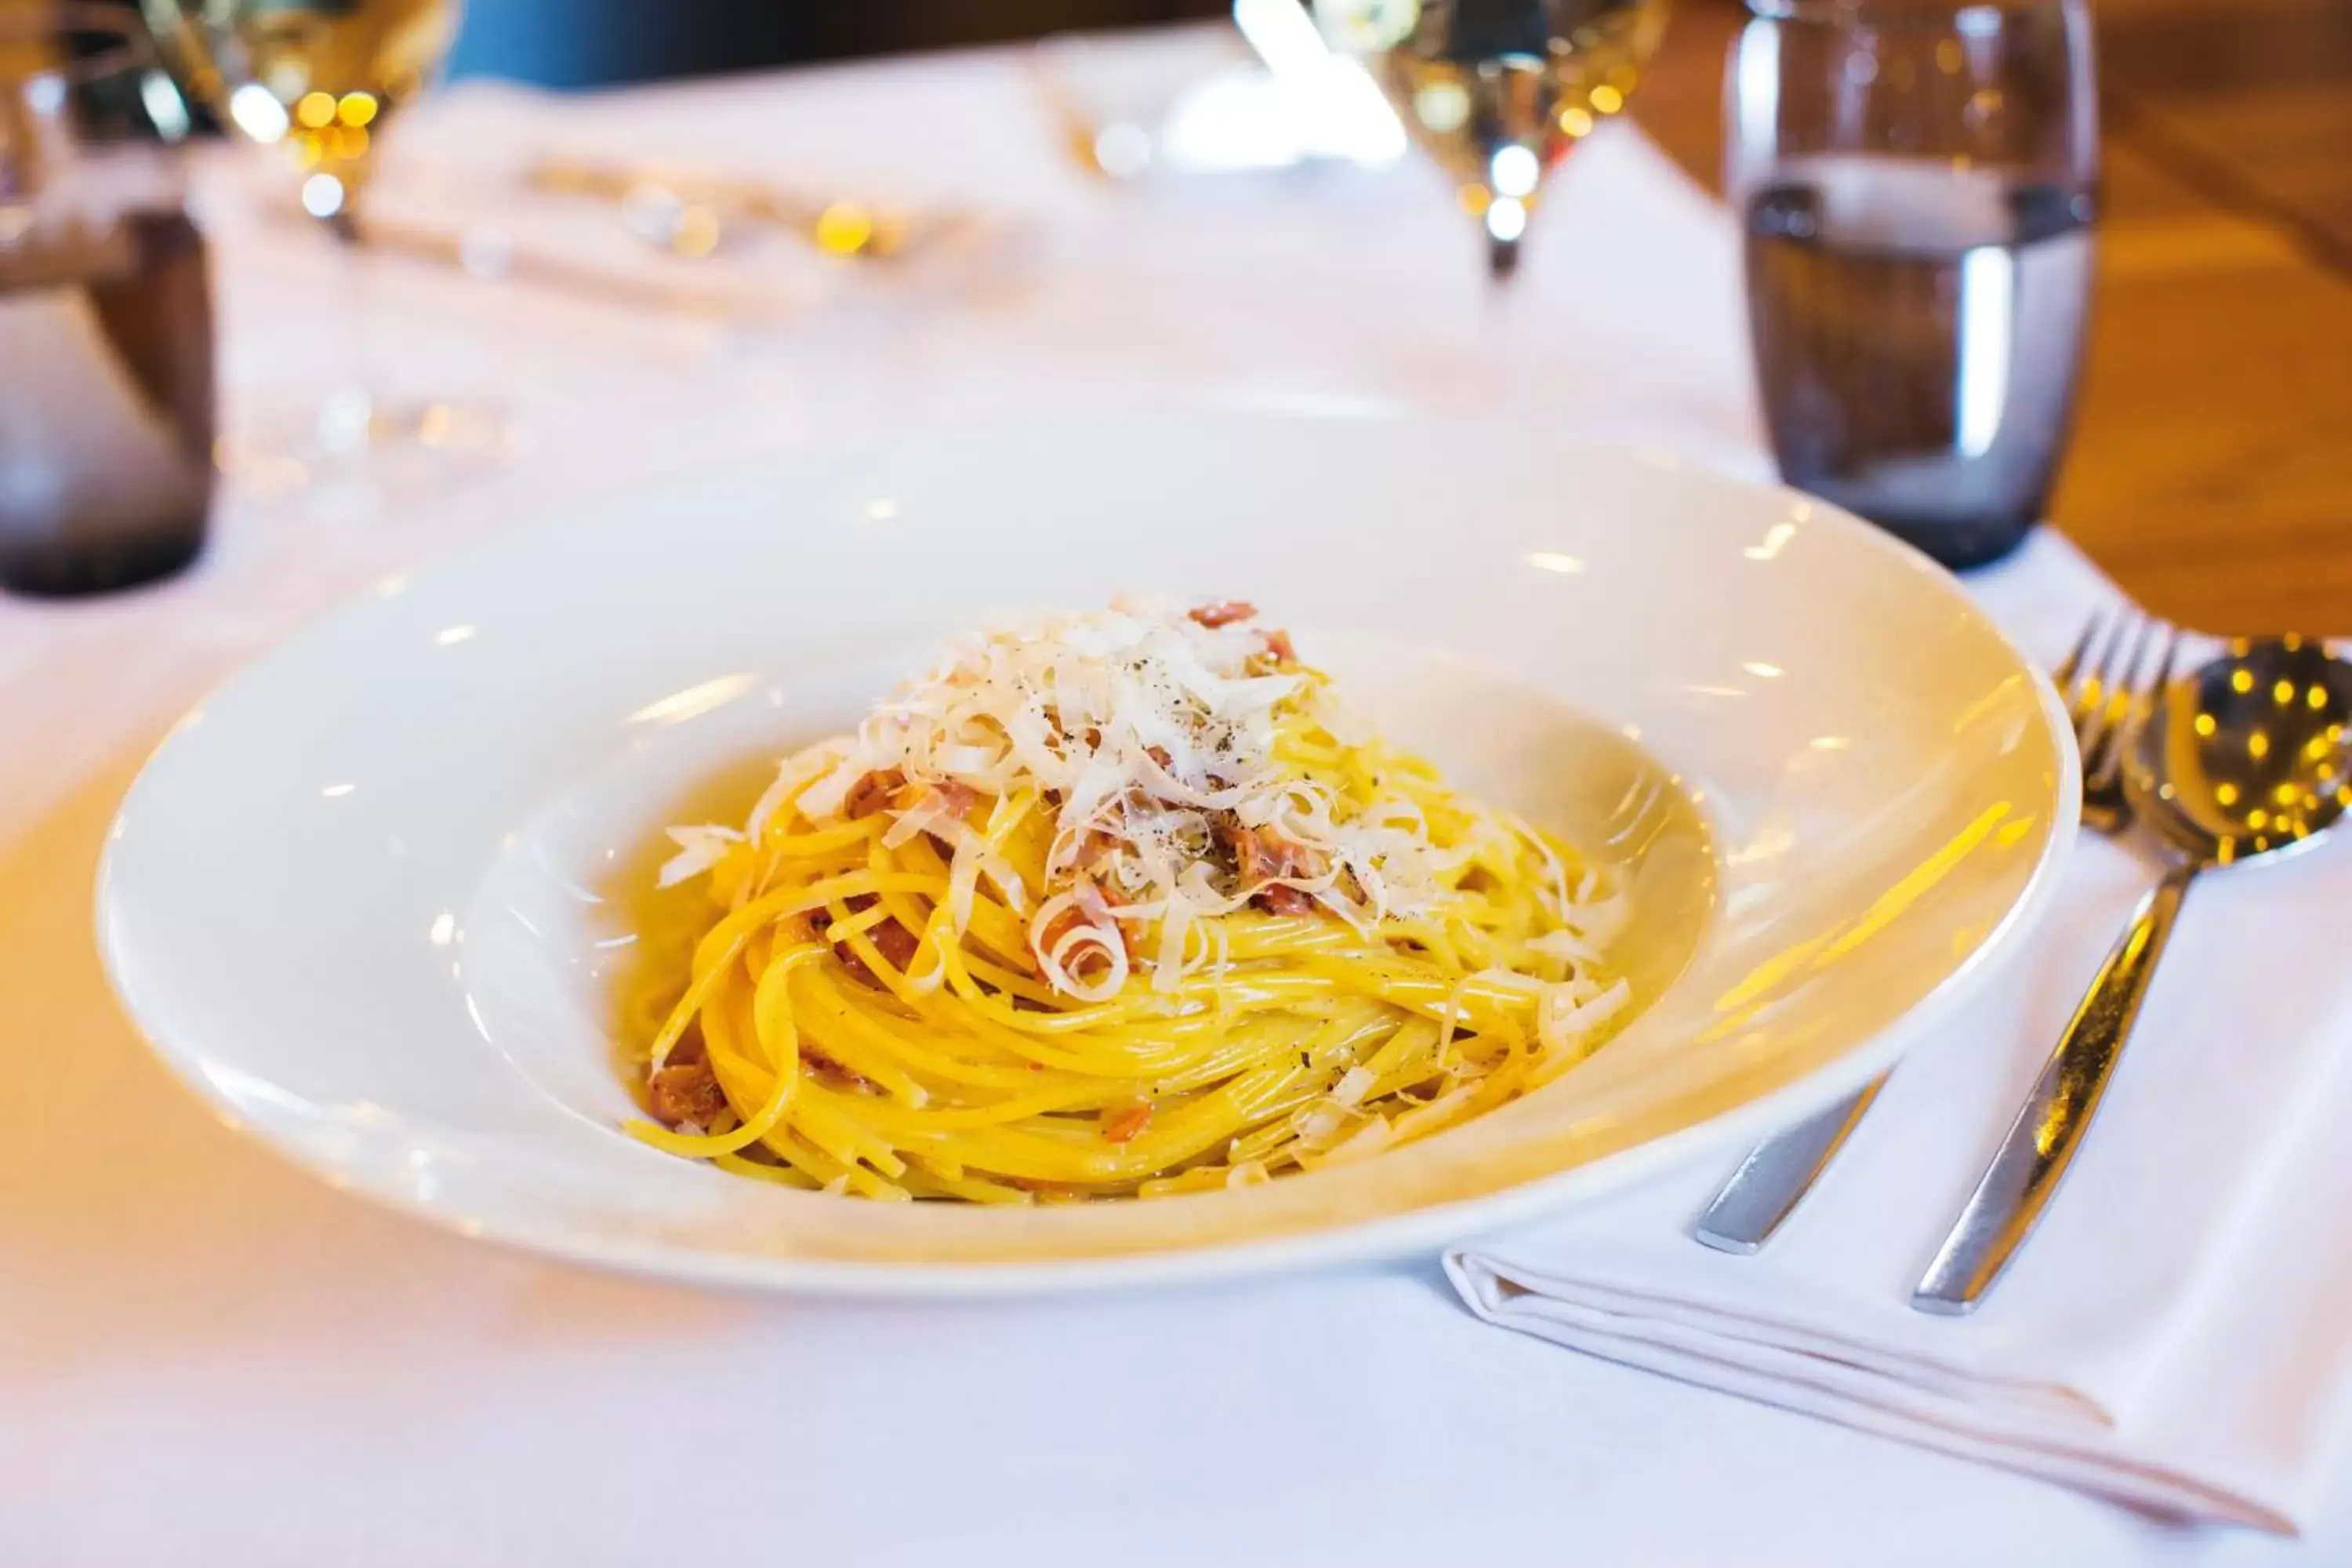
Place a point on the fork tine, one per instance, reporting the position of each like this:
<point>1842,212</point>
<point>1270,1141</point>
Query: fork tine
<point>2149,679</point>
<point>2082,684</point>
<point>2117,688</point>
<point>2152,695</point>
<point>2097,685</point>
<point>2071,665</point>
<point>2121,698</point>
<point>2171,663</point>
<point>2159,675</point>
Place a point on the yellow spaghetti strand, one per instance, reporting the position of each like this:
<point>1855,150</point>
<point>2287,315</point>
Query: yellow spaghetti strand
<point>864,1043</point>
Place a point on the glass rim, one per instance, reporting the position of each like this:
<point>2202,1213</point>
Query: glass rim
<point>128,47</point>
<point>1897,12</point>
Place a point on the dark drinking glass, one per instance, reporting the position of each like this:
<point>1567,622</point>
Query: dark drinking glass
<point>1917,183</point>
<point>106,327</point>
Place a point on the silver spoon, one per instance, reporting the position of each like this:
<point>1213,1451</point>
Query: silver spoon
<point>2247,758</point>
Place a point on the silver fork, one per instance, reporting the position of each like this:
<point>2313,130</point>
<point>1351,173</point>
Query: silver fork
<point>2108,681</point>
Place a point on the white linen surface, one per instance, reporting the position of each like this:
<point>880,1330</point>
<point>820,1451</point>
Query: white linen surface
<point>206,1358</point>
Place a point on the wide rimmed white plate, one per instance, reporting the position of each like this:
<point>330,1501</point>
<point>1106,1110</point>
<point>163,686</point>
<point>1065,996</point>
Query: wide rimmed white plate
<point>370,898</point>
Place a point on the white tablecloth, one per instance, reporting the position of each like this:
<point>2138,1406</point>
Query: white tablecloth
<point>208,1359</point>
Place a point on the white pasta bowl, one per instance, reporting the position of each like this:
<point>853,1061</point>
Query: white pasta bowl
<point>367,899</point>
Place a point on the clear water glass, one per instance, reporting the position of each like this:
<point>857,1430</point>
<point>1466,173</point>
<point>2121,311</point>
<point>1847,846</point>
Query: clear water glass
<point>106,320</point>
<point>1917,182</point>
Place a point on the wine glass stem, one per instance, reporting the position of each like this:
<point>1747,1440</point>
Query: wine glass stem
<point>1502,258</point>
<point>347,419</point>
<point>1511,375</point>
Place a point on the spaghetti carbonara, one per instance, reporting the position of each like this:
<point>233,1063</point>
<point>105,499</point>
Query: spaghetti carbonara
<point>1126,903</point>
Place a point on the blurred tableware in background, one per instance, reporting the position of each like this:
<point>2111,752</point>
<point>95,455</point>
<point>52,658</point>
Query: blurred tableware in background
<point>106,322</point>
<point>321,79</point>
<point>1270,95</point>
<point>1498,91</point>
<point>519,188</point>
<point>693,211</point>
<point>1918,180</point>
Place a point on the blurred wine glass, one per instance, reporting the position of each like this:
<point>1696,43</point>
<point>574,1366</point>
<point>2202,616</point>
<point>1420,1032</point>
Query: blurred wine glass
<point>320,80</point>
<point>1498,91</point>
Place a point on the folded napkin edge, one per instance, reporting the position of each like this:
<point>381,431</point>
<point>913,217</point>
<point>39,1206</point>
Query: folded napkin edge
<point>2156,1490</point>
<point>1788,1333</point>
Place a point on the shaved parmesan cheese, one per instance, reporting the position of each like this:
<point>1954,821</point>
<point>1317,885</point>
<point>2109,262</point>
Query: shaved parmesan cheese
<point>1065,951</point>
<point>1146,729</point>
<point>923,818</point>
<point>792,777</point>
<point>1248,1173</point>
<point>1154,741</point>
<point>1563,1020</point>
<point>1373,1136</point>
<point>698,850</point>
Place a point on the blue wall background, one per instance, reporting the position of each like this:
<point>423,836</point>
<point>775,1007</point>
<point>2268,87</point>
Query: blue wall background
<point>581,43</point>
<point>577,43</point>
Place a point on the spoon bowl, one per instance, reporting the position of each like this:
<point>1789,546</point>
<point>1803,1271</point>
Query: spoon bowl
<point>2250,754</point>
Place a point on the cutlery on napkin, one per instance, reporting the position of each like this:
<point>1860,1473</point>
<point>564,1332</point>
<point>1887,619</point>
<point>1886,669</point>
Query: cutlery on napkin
<point>2178,1334</point>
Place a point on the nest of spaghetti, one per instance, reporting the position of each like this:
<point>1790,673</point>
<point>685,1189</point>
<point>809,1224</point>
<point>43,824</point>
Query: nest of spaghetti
<point>1112,905</point>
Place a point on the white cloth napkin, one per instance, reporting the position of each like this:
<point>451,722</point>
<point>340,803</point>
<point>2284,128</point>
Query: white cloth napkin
<point>2174,1334</point>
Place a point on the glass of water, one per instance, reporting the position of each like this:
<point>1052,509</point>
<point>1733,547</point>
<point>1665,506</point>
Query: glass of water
<point>106,321</point>
<point>1918,181</point>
